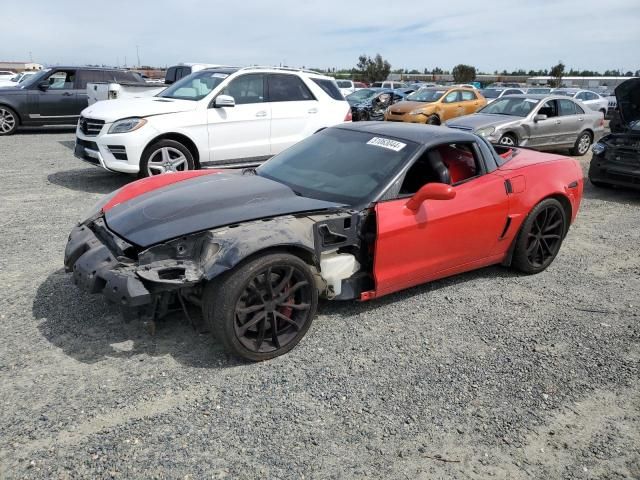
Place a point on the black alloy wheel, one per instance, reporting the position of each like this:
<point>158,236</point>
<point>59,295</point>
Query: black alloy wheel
<point>264,308</point>
<point>541,236</point>
<point>273,309</point>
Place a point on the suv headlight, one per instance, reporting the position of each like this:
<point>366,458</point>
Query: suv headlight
<point>486,132</point>
<point>127,125</point>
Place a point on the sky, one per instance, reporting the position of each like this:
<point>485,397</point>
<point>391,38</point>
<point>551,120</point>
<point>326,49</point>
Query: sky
<point>488,34</point>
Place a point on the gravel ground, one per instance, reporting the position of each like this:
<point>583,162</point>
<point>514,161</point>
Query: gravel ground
<point>487,374</point>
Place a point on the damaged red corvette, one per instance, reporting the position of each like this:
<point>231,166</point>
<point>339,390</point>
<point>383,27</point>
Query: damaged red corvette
<point>355,211</point>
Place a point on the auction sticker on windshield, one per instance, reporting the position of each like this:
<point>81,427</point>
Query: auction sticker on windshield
<point>219,75</point>
<point>387,143</point>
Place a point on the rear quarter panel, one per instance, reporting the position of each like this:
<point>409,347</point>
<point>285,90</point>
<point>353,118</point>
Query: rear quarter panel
<point>546,176</point>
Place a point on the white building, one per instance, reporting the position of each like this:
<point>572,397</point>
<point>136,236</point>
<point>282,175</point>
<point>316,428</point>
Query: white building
<point>20,66</point>
<point>580,82</point>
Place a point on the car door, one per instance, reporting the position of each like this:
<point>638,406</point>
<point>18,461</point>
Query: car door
<point>295,112</point>
<point>545,133</point>
<point>88,76</point>
<point>451,106</point>
<point>56,104</point>
<point>571,122</point>
<point>441,237</point>
<point>241,133</point>
<point>470,101</point>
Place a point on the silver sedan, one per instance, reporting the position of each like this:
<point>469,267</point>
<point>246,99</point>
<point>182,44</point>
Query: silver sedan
<point>543,122</point>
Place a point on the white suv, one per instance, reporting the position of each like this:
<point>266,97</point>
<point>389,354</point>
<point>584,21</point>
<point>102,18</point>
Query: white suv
<point>214,117</point>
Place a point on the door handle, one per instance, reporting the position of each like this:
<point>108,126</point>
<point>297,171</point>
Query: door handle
<point>261,114</point>
<point>313,110</point>
<point>580,119</point>
<point>557,122</point>
<point>67,94</point>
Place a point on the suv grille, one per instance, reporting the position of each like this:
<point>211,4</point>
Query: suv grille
<point>90,127</point>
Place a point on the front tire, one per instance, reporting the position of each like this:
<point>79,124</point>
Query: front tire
<point>165,156</point>
<point>582,144</point>
<point>508,140</point>
<point>540,237</point>
<point>262,309</point>
<point>8,121</point>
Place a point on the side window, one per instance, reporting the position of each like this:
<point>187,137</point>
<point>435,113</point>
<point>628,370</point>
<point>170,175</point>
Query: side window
<point>449,163</point>
<point>567,107</point>
<point>582,96</point>
<point>452,97</point>
<point>579,109</point>
<point>62,80</point>
<point>550,109</point>
<point>591,96</point>
<point>170,76</point>
<point>246,89</point>
<point>329,87</point>
<point>91,76</point>
<point>287,88</point>
<point>468,96</point>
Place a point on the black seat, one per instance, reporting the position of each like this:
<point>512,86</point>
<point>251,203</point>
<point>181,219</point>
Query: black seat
<point>438,167</point>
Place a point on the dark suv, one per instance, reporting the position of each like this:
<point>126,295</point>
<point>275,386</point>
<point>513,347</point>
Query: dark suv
<point>53,97</point>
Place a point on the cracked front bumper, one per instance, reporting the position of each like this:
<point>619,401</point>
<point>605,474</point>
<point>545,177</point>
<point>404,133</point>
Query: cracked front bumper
<point>97,270</point>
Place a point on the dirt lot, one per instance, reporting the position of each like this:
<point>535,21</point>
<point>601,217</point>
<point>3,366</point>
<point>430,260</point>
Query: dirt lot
<point>488,374</point>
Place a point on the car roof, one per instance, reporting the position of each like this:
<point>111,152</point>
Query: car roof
<point>428,135</point>
<point>539,96</point>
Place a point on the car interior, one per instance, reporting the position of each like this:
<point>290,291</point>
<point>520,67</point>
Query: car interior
<point>451,164</point>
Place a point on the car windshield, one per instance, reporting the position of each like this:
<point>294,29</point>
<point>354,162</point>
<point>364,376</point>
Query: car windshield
<point>426,95</point>
<point>344,83</point>
<point>516,107</point>
<point>362,95</point>
<point>195,86</point>
<point>491,93</point>
<point>339,165</point>
<point>35,79</point>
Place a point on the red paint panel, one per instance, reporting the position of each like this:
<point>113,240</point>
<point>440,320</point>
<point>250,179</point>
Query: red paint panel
<point>145,185</point>
<point>441,236</point>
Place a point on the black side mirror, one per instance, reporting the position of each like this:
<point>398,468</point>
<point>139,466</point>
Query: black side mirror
<point>44,86</point>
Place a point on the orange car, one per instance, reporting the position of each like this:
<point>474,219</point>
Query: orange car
<point>435,105</point>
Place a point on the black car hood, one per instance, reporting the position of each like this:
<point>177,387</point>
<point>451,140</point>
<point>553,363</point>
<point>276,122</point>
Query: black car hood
<point>628,98</point>
<point>202,203</point>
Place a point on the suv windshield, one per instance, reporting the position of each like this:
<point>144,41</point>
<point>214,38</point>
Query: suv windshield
<point>517,107</point>
<point>362,95</point>
<point>195,86</point>
<point>426,95</point>
<point>339,165</point>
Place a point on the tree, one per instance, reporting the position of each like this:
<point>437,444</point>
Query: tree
<point>557,72</point>
<point>464,73</point>
<point>373,69</point>
<point>437,71</point>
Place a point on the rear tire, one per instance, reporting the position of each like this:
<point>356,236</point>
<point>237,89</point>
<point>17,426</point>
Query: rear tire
<point>9,121</point>
<point>540,237</point>
<point>165,156</point>
<point>582,144</point>
<point>433,120</point>
<point>262,309</point>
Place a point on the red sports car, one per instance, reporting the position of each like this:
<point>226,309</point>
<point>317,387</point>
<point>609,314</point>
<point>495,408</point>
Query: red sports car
<point>355,211</point>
